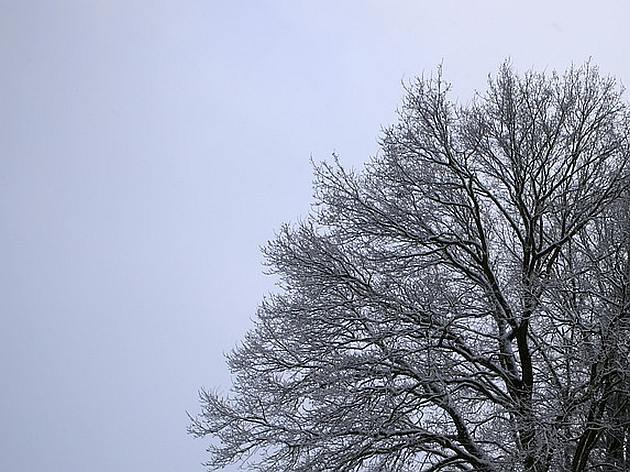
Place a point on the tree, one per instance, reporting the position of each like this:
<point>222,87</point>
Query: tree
<point>462,304</point>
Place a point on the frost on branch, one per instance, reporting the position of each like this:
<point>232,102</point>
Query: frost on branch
<point>462,304</point>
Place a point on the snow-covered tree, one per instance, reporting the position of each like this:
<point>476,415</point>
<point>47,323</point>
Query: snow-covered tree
<point>461,304</point>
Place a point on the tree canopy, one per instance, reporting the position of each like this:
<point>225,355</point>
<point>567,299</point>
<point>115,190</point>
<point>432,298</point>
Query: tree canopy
<point>460,304</point>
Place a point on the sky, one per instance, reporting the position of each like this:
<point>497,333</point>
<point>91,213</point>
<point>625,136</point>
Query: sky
<point>148,150</point>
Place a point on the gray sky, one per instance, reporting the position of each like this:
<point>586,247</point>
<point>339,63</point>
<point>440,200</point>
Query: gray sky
<point>147,149</point>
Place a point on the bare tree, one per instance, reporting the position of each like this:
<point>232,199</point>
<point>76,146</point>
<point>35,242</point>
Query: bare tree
<point>462,304</point>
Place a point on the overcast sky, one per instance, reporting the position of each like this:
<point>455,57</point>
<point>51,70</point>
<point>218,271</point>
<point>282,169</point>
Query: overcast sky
<point>147,150</point>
